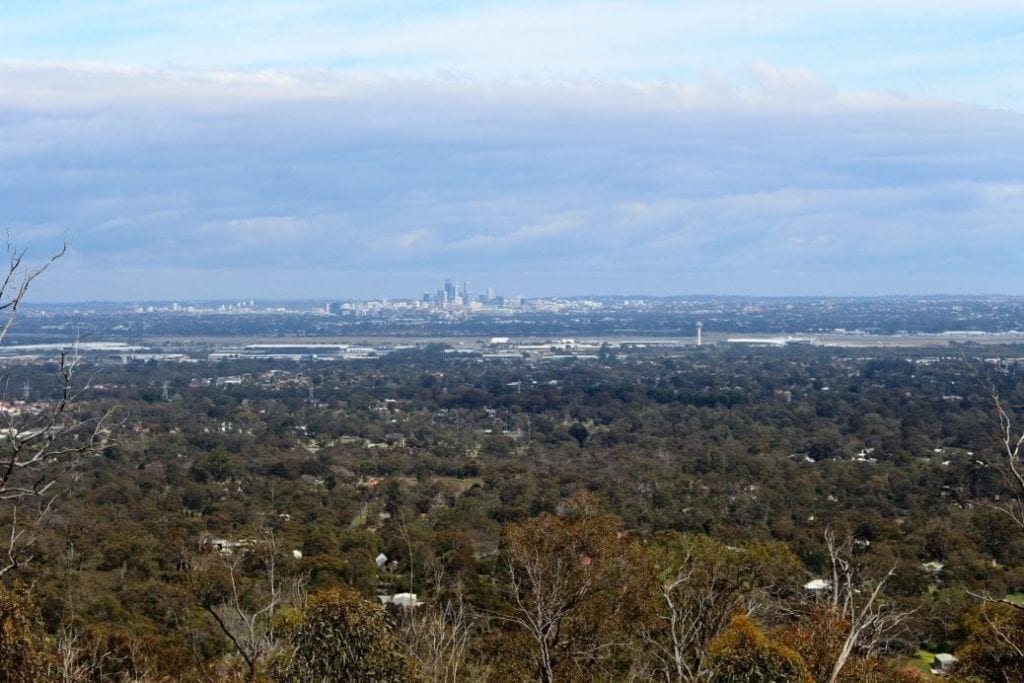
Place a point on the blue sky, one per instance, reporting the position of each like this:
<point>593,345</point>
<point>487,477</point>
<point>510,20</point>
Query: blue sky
<point>340,149</point>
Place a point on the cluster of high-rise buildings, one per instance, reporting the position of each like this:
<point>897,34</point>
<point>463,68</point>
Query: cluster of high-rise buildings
<point>454,296</point>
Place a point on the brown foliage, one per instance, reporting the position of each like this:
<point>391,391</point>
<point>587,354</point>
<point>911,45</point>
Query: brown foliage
<point>579,586</point>
<point>25,654</point>
<point>819,638</point>
<point>743,653</point>
<point>994,650</point>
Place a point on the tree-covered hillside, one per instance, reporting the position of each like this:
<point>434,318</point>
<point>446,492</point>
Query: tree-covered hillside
<point>669,516</point>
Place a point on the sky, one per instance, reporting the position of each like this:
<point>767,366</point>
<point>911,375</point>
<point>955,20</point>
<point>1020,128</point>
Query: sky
<point>333,149</point>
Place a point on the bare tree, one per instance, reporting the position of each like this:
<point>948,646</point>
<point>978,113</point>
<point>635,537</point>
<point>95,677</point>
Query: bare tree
<point>704,584</point>
<point>437,636</point>
<point>242,590</point>
<point>545,589</point>
<point>684,626</point>
<point>576,587</point>
<point>1011,436</point>
<point>38,442</point>
<point>860,603</point>
<point>70,648</point>
<point>690,617</point>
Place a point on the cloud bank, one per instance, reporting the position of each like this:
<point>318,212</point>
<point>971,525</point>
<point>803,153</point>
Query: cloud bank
<point>180,183</point>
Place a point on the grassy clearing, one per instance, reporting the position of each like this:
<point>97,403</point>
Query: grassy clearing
<point>923,661</point>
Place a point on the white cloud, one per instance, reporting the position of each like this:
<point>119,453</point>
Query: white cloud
<point>586,183</point>
<point>553,226</point>
<point>950,48</point>
<point>70,87</point>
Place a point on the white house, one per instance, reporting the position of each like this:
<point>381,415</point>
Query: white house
<point>943,663</point>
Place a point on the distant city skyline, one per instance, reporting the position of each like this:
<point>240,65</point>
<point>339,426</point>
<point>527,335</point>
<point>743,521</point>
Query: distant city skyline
<point>304,149</point>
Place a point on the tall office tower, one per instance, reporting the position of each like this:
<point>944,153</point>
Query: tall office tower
<point>490,293</point>
<point>465,293</point>
<point>426,297</point>
<point>449,292</point>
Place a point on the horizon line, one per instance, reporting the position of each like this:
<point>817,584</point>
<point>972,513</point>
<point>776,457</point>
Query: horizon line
<point>325,299</point>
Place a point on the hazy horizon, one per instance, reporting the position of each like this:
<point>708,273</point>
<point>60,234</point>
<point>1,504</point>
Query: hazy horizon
<point>314,300</point>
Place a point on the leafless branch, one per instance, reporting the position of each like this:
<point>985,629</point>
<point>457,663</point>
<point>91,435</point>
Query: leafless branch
<point>870,620</point>
<point>246,615</point>
<point>437,636</point>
